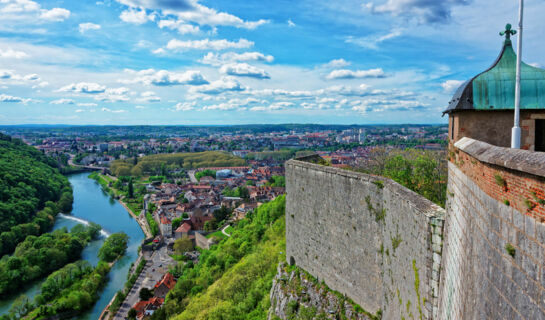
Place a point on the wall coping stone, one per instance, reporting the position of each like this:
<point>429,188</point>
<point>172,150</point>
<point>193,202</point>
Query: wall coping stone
<point>517,159</point>
<point>430,209</point>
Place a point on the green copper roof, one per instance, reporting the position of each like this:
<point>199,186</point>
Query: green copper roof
<point>494,89</point>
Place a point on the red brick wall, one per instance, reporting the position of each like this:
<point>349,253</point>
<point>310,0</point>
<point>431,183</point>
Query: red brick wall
<point>523,191</point>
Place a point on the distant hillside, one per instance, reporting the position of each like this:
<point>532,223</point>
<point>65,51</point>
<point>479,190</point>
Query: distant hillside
<point>28,180</point>
<point>233,279</point>
<point>155,164</point>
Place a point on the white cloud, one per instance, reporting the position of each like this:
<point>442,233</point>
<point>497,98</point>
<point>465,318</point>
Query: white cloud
<point>166,78</point>
<point>12,54</point>
<point>217,59</point>
<point>222,106</point>
<point>114,95</point>
<point>337,63</point>
<point>282,105</point>
<point>79,110</point>
<point>424,11</point>
<point>140,107</point>
<point>7,98</point>
<point>206,44</point>
<point>291,24</point>
<point>450,86</point>
<point>83,27</point>
<point>181,26</point>
<point>219,86</point>
<point>136,16</point>
<point>372,42</point>
<point>358,74</point>
<point>148,96</point>
<point>55,14</point>
<point>244,70</point>
<point>62,101</point>
<point>6,74</point>
<point>86,104</point>
<point>31,77</point>
<point>192,11</point>
<point>19,6</point>
<point>185,106</point>
<point>113,111</point>
<point>83,87</point>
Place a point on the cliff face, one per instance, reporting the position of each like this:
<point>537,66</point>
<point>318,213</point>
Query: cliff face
<point>297,295</point>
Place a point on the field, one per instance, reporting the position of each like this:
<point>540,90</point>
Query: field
<point>160,164</point>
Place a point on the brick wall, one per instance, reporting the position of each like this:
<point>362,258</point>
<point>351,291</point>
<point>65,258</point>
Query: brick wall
<point>523,191</point>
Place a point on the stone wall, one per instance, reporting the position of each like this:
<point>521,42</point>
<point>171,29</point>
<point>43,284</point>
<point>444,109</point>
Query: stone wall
<point>494,251</point>
<point>365,236</point>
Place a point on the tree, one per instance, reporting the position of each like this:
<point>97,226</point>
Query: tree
<point>145,294</point>
<point>184,244</point>
<point>132,314</point>
<point>210,225</point>
<point>130,189</point>
<point>114,247</point>
<point>176,222</point>
<point>243,192</point>
<point>135,160</point>
<point>222,213</point>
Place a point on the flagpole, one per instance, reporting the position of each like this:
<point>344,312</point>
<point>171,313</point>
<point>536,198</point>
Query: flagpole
<point>515,132</point>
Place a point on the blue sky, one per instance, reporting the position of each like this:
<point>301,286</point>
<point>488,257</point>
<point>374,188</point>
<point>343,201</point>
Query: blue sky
<point>252,61</point>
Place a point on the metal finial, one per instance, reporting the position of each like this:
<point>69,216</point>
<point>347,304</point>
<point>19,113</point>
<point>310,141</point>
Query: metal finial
<point>508,32</point>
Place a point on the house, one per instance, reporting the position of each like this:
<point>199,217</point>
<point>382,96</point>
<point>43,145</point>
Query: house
<point>241,211</point>
<point>163,286</point>
<point>166,226</point>
<point>183,230</point>
<point>147,308</point>
<point>482,108</point>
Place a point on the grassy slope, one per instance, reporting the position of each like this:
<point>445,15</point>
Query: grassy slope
<point>234,277</point>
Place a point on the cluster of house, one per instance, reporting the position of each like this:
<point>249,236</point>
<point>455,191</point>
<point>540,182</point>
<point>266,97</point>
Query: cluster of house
<point>196,202</point>
<point>160,290</point>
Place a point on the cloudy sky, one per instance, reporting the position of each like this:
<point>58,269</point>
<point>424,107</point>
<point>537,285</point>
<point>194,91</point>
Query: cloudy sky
<point>247,61</point>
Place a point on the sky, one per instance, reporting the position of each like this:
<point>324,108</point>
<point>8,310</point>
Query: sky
<point>211,62</point>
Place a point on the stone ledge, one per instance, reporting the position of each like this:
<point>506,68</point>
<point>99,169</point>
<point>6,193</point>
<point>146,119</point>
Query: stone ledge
<point>516,159</point>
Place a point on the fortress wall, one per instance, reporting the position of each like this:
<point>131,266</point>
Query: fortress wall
<point>365,236</point>
<point>480,279</point>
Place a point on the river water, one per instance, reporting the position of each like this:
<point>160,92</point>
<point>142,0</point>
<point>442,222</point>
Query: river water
<point>93,204</point>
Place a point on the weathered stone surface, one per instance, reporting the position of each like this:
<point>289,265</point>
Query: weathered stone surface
<point>479,276</point>
<point>366,237</point>
<point>297,287</point>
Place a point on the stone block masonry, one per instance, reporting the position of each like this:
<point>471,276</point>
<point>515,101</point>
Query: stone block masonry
<point>493,263</point>
<point>367,237</point>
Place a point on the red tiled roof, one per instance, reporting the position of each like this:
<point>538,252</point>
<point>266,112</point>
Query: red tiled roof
<point>185,227</point>
<point>167,280</point>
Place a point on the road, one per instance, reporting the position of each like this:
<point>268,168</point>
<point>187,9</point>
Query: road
<point>191,174</point>
<point>155,268</point>
<point>223,230</point>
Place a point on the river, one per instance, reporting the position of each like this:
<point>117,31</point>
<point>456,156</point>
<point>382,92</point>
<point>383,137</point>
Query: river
<point>93,204</point>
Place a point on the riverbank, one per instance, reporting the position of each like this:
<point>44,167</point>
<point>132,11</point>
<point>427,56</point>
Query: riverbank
<point>139,218</point>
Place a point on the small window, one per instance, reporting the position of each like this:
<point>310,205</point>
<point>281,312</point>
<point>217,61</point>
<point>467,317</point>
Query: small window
<point>540,135</point>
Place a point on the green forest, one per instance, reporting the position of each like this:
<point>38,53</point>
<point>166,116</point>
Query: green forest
<point>74,288</point>
<point>38,256</point>
<point>232,279</point>
<point>28,180</point>
<point>160,164</point>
